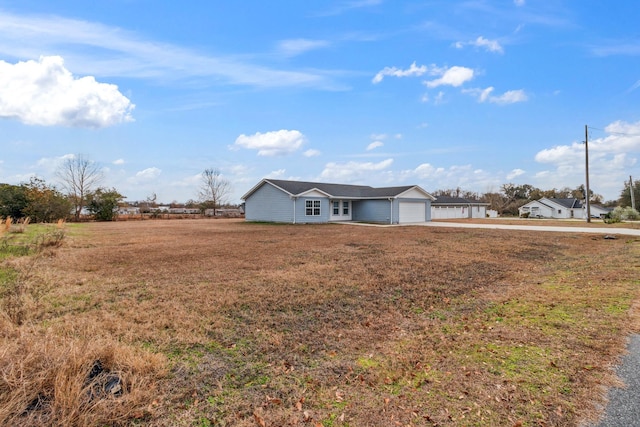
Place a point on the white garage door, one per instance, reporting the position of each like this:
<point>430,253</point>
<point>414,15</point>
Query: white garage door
<point>412,212</point>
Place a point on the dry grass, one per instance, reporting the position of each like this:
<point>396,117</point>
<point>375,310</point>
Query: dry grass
<point>231,323</point>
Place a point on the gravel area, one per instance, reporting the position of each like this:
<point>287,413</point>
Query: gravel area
<point>623,409</point>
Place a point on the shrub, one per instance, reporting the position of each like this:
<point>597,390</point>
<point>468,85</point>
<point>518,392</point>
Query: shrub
<point>622,214</point>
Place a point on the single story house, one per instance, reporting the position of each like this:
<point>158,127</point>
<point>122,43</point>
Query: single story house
<point>445,207</point>
<point>296,202</point>
<point>561,209</point>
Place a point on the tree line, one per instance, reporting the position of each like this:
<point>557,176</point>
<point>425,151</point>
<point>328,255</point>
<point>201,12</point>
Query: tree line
<point>81,193</point>
<point>510,197</point>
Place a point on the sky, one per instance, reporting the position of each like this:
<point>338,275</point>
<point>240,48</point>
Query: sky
<point>442,94</point>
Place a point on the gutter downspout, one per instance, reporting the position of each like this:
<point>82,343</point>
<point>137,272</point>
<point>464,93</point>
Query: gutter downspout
<point>391,213</point>
<point>294,208</point>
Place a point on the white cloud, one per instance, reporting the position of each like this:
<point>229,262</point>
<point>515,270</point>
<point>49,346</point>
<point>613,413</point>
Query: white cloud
<point>350,5</point>
<point>515,173</point>
<point>481,42</point>
<point>280,173</point>
<point>311,153</point>
<point>379,136</point>
<point>45,93</point>
<point>435,178</point>
<point>412,71</point>
<point>296,47</point>
<point>51,164</point>
<point>490,45</point>
<point>113,51</point>
<point>118,162</point>
<point>352,171</point>
<point>276,143</point>
<point>509,97</point>
<point>519,2</point>
<point>146,175</point>
<point>610,159</point>
<point>374,145</point>
<point>454,76</point>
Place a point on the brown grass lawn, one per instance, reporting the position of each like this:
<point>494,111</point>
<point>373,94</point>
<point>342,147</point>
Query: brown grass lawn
<point>227,323</point>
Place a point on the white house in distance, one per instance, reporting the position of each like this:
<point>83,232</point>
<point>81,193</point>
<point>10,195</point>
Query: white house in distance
<point>560,209</point>
<point>445,207</point>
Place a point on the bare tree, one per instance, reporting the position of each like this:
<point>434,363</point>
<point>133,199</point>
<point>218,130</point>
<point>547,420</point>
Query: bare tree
<point>214,189</point>
<point>79,176</point>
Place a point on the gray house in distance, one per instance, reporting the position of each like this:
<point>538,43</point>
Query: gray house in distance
<point>296,202</point>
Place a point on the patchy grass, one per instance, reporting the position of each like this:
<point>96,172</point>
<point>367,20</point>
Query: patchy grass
<point>231,323</point>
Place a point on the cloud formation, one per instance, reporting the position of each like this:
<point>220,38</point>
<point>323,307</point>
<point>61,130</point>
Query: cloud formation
<point>489,45</point>
<point>299,46</point>
<point>455,76</point>
<point>45,93</point>
<point>374,145</point>
<point>117,52</point>
<point>275,143</point>
<point>147,174</point>
<point>509,97</point>
<point>610,159</point>
<point>412,71</point>
<point>349,172</point>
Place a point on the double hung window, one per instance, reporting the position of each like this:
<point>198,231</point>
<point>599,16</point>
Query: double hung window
<point>312,207</point>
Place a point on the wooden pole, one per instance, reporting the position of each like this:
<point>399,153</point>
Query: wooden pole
<point>633,197</point>
<point>586,157</point>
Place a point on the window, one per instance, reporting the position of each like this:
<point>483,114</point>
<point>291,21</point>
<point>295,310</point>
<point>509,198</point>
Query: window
<point>345,208</point>
<point>336,208</point>
<point>312,207</point>
<point>559,211</point>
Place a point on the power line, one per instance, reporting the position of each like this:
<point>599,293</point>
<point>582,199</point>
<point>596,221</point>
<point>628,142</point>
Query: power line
<point>614,133</point>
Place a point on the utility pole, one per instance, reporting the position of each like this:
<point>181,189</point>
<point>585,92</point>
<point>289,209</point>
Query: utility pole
<point>586,168</point>
<point>633,197</point>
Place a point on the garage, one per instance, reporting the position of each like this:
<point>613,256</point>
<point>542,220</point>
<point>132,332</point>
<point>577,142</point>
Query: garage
<point>412,212</point>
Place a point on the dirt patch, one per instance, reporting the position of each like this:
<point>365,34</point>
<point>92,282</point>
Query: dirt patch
<point>330,325</point>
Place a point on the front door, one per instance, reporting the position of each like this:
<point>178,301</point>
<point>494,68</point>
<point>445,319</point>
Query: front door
<point>340,210</point>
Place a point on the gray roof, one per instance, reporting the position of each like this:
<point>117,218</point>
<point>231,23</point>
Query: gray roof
<point>568,203</point>
<point>446,200</point>
<point>337,190</point>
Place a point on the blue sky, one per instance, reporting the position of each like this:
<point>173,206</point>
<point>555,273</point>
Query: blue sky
<point>442,94</point>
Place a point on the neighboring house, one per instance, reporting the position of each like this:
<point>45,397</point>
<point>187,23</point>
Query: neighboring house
<point>445,207</point>
<point>128,210</point>
<point>294,202</point>
<point>598,211</point>
<point>562,209</point>
<point>553,208</point>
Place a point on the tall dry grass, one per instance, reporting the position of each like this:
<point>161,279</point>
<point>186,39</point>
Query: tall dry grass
<point>44,380</point>
<point>45,368</point>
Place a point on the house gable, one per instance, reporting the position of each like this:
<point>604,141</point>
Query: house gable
<point>313,193</point>
<point>415,193</point>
